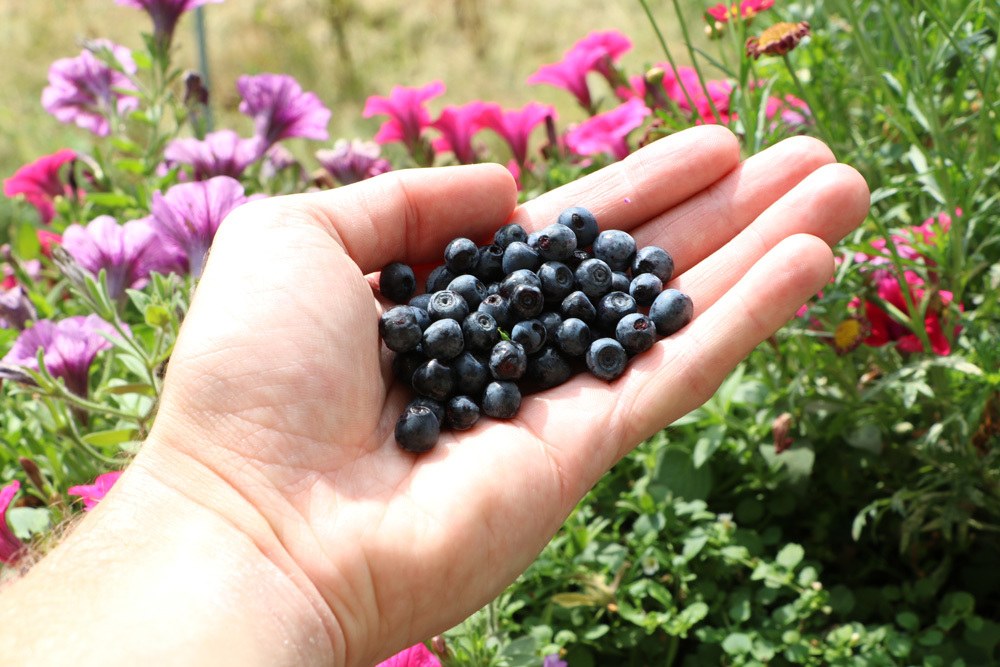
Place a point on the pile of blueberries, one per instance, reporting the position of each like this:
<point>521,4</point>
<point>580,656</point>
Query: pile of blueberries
<point>522,314</point>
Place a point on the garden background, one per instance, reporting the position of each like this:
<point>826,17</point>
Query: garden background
<point>836,502</point>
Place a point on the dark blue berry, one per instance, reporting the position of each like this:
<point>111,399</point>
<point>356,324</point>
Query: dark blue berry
<point>433,379</point>
<point>437,407</point>
<point>443,339</point>
<point>501,400</point>
<point>438,279</point>
<point>469,288</point>
<point>654,259</point>
<point>489,263</point>
<point>460,256</point>
<point>498,308</point>
<point>548,369</point>
<point>606,358</point>
<point>510,233</point>
<point>519,255</point>
<point>551,321</point>
<point>423,319</point>
<point>421,301</point>
<point>508,360</point>
<point>579,306</point>
<point>557,280</point>
<point>577,257</point>
<point>644,288</point>
<point>399,328</point>
<point>636,333</point>
<point>397,282</point>
<point>526,301</point>
<point>530,334</point>
<point>480,331</point>
<point>471,375</point>
<point>574,337</point>
<point>556,243</point>
<point>612,307</point>
<point>616,248</point>
<point>417,429</point>
<point>594,277</point>
<point>620,281</point>
<point>582,222</point>
<point>461,413</point>
<point>671,311</point>
<point>405,363</point>
<point>447,304</point>
<point>516,278</point>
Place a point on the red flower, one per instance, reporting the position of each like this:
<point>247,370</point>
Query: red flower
<point>746,10</point>
<point>885,330</point>
<point>40,182</point>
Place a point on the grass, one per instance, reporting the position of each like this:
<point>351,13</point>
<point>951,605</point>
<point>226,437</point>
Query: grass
<point>344,50</point>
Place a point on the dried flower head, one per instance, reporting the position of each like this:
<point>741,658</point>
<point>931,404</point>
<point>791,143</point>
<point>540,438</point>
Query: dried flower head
<point>777,40</point>
<point>849,334</point>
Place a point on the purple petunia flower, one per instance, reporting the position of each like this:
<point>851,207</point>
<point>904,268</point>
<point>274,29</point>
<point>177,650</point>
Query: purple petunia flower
<point>407,115</point>
<point>69,345</point>
<point>9,544</point>
<point>128,253</point>
<point>457,125</point>
<point>221,153</point>
<point>353,161</point>
<point>281,109</point>
<point>552,660</point>
<point>16,309</point>
<point>165,13</point>
<point>606,132</point>
<point>87,91</point>
<point>516,125</point>
<point>189,214</point>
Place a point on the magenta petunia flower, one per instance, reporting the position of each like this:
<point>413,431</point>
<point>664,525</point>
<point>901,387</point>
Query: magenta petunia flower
<point>87,91</point>
<point>606,132</point>
<point>128,253</point>
<point>407,115</point>
<point>516,125</point>
<point>189,214</point>
<point>792,111</point>
<point>40,182</point>
<point>417,655</point>
<point>221,153</point>
<point>10,546</point>
<point>69,345</point>
<point>353,161</point>
<point>165,13</point>
<point>281,109</point>
<point>16,309</point>
<point>91,494</point>
<point>596,52</point>
<point>457,125</point>
<point>685,79</point>
<point>605,47</point>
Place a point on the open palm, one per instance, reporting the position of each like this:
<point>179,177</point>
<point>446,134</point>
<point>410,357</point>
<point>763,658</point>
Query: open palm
<point>280,390</point>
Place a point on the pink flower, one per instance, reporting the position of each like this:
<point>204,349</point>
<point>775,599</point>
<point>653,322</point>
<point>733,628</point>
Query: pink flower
<point>40,182</point>
<point>792,111</point>
<point>9,544</point>
<point>165,13</point>
<point>281,109</point>
<point>221,153</point>
<point>92,493</point>
<point>746,9</point>
<point>885,330</point>
<point>685,79</point>
<point>407,115</point>
<point>596,52</point>
<point>516,125</point>
<point>607,132</point>
<point>87,91</point>
<point>415,656</point>
<point>605,48</point>
<point>457,125</point>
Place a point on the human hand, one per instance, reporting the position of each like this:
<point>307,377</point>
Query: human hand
<point>279,406</point>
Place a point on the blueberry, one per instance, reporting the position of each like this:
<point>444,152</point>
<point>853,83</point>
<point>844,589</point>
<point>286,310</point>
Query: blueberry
<point>530,334</point>
<point>653,259</point>
<point>620,281</point>
<point>548,369</point>
<point>471,375</point>
<point>498,308</point>
<point>421,301</point>
<point>405,363</point>
<point>582,222</point>
<point>556,243</point>
<point>508,234</point>
<point>443,339</point>
<point>616,248</point>
<point>417,429</point>
<point>423,319</point>
<point>460,255</point>
<point>433,379</point>
<point>574,337</point>
<point>606,358</point>
<point>577,257</point>
<point>501,400</point>
<point>612,307</point>
<point>644,288</point>
<point>636,333</point>
<point>551,321</point>
<point>519,255</point>
<point>480,331</point>
<point>557,280</point>
<point>526,301</point>
<point>447,304</point>
<point>489,263</point>
<point>671,311</point>
<point>399,328</point>
<point>594,277</point>
<point>437,407</point>
<point>469,288</point>
<point>579,306</point>
<point>516,278</point>
<point>397,282</point>
<point>508,360</point>
<point>461,413</point>
<point>438,279</point>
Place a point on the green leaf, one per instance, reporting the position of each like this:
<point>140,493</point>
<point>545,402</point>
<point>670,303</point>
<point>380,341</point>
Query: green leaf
<point>157,316</point>
<point>108,438</point>
<point>916,111</point>
<point>737,643</point>
<point>709,442</point>
<point>677,474</point>
<point>740,609</point>
<point>26,245</point>
<point>28,521</point>
<point>907,620</point>
<point>693,544</point>
<point>790,556</point>
<point>111,200</point>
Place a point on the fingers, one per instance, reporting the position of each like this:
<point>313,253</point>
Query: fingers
<point>410,215</point>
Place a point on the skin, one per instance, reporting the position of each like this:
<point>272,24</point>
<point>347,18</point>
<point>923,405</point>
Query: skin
<point>271,519</point>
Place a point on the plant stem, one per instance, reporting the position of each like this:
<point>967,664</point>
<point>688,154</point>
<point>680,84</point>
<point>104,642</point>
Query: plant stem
<point>666,52</point>
<point>820,125</point>
<point>694,62</point>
